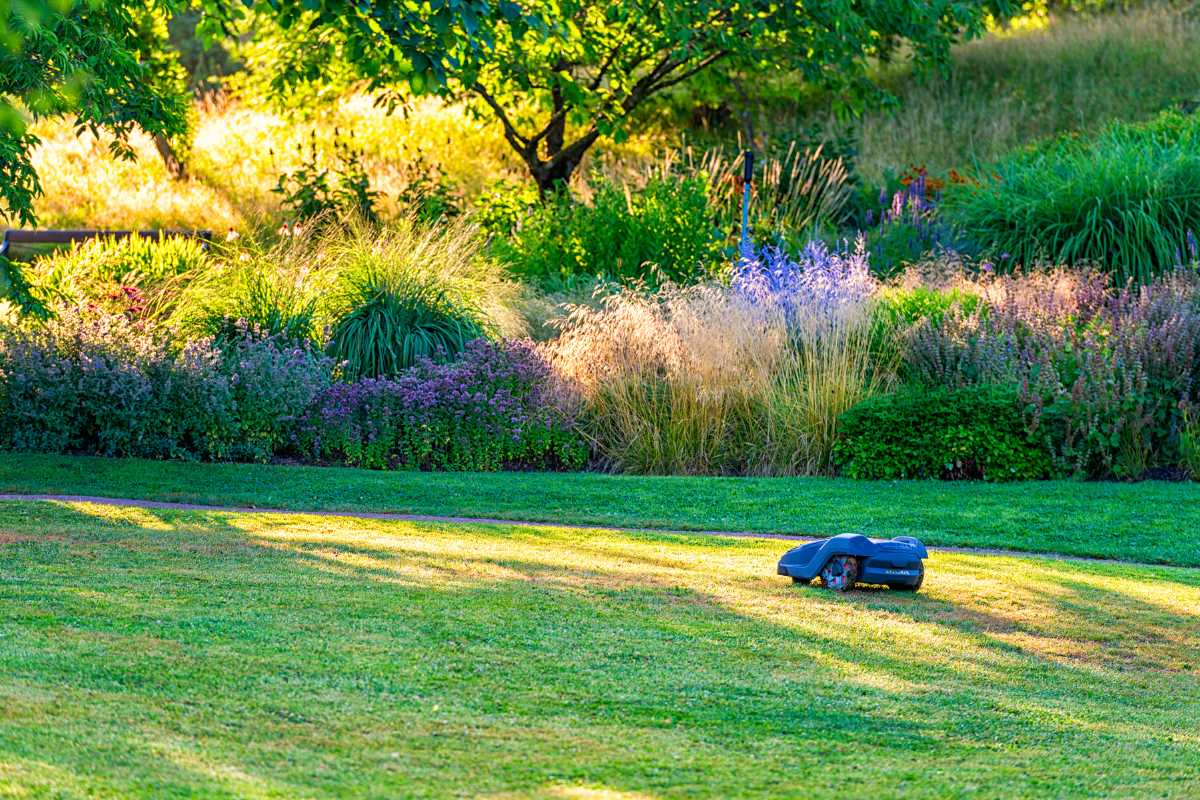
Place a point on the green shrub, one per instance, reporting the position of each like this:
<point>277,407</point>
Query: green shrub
<point>263,303</point>
<point>898,310</point>
<point>662,232</point>
<point>1189,445</point>
<point>1125,199</point>
<point>502,208</point>
<point>337,191</point>
<point>975,432</point>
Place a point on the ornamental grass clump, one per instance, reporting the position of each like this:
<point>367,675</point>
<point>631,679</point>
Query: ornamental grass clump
<point>141,276</point>
<point>497,406</point>
<point>661,232</point>
<point>674,382</point>
<point>1124,198</point>
<point>268,287</point>
<point>740,378</point>
<point>833,362</point>
<point>411,292</point>
<point>795,190</point>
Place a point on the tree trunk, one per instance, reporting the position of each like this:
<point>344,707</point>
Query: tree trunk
<point>175,167</point>
<point>552,177</point>
<point>555,172</point>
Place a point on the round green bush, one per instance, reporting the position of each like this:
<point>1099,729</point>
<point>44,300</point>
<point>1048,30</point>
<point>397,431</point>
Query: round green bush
<point>662,232</point>
<point>977,432</point>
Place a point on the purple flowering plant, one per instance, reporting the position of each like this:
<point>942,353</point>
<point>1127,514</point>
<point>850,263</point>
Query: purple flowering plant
<point>821,282</point>
<point>88,381</point>
<point>498,406</point>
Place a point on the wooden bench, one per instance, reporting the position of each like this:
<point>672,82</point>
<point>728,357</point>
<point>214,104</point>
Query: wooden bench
<point>61,237</point>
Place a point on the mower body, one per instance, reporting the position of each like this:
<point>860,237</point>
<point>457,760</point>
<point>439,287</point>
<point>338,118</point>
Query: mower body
<point>892,562</point>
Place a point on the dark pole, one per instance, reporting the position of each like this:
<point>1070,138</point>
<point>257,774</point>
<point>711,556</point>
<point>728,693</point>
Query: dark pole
<point>747,179</point>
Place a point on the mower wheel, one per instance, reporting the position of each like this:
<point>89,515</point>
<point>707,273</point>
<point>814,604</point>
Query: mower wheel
<point>910,587</point>
<point>839,573</point>
<point>802,581</point>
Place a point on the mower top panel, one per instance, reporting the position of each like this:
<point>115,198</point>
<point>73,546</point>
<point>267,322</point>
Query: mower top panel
<point>881,560</point>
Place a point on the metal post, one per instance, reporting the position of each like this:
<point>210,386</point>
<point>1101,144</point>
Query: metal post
<point>747,179</point>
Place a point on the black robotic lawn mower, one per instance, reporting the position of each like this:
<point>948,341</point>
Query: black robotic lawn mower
<point>849,558</point>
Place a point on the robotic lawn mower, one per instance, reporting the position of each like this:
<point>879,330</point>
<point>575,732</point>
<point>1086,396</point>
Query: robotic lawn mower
<point>849,558</point>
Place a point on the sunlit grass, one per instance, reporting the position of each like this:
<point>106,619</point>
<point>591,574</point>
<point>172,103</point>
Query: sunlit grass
<point>86,187</point>
<point>153,653</point>
<point>1038,80</point>
<point>1148,522</point>
<point>238,154</point>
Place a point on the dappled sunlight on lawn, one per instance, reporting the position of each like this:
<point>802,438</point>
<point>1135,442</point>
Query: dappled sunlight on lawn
<point>973,618</point>
<point>975,621</point>
<point>122,516</point>
<point>575,664</point>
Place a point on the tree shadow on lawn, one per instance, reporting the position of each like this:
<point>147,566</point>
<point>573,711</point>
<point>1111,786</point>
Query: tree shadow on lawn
<point>1092,614</point>
<point>494,659</point>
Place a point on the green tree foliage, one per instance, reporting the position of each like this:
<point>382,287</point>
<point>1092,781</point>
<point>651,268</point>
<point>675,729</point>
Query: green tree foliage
<point>560,74</point>
<point>82,58</point>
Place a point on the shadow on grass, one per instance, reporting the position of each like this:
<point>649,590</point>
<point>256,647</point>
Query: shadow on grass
<point>243,656</point>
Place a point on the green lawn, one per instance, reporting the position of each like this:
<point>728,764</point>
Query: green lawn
<point>208,654</point>
<point>1151,522</point>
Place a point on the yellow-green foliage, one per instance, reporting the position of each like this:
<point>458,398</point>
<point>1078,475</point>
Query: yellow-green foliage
<point>142,272</point>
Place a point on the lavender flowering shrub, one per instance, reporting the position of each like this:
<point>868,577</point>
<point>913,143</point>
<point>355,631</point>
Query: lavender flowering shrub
<point>498,406</point>
<point>821,281</point>
<point>273,381</point>
<point>97,383</point>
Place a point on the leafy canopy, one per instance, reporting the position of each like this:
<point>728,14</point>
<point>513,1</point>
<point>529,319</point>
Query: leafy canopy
<point>560,74</point>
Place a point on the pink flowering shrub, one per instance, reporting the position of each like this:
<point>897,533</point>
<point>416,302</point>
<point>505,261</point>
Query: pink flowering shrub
<point>1106,377</point>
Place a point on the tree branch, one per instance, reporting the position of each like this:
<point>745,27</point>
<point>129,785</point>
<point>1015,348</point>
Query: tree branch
<point>519,142</point>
